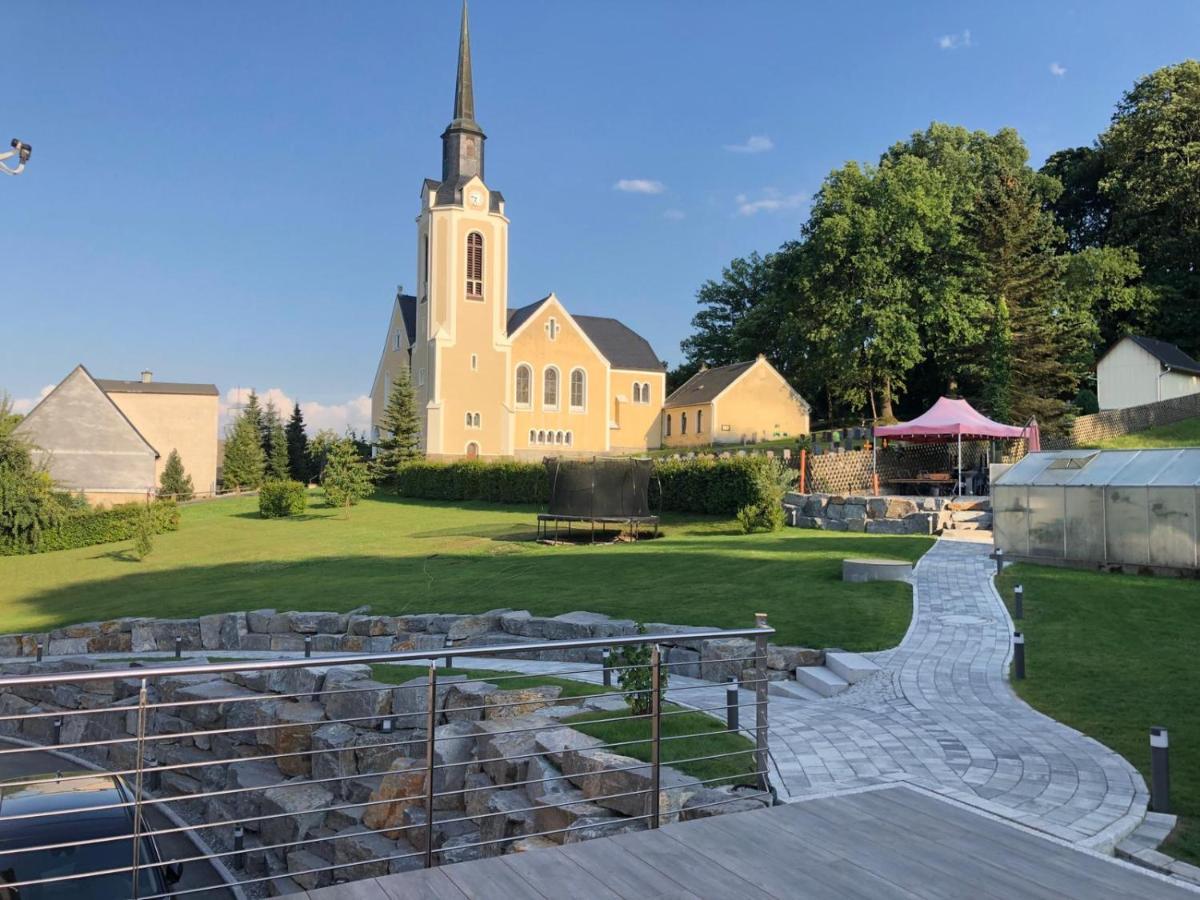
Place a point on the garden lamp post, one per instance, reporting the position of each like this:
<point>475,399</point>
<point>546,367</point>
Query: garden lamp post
<point>21,151</point>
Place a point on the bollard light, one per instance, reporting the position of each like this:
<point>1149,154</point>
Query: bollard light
<point>39,651</point>
<point>385,726</point>
<point>307,646</point>
<point>999,560</point>
<point>1160,771</point>
<point>1018,602</point>
<point>731,705</point>
<point>58,731</point>
<point>239,845</point>
<point>606,656</point>
<point>178,646</point>
<point>1018,655</point>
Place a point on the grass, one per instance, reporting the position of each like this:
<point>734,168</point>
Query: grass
<point>389,673</point>
<point>1112,655</point>
<point>404,556</point>
<point>677,726</point>
<point>1178,434</point>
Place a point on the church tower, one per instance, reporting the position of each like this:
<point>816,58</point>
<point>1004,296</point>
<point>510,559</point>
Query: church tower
<point>460,361</point>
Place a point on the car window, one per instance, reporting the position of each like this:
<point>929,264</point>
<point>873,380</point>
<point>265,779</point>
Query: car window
<point>18,865</point>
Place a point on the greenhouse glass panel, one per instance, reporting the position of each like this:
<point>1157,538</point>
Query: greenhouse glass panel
<point>1172,526</point>
<point>1027,469</point>
<point>1143,468</point>
<point>1127,526</point>
<point>1102,469</point>
<point>1010,525</point>
<point>1183,469</point>
<point>1085,523</point>
<point>1046,522</point>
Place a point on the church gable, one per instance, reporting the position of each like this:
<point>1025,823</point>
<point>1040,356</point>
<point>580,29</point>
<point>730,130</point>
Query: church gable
<point>549,333</point>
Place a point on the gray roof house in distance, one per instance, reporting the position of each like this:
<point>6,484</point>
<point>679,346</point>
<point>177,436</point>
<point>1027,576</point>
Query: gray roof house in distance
<point>1138,370</point>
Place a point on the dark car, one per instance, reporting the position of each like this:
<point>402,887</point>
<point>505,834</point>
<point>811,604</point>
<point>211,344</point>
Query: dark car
<point>73,797</point>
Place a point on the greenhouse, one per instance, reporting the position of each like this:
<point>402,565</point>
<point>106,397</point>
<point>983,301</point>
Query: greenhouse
<point>1120,508</point>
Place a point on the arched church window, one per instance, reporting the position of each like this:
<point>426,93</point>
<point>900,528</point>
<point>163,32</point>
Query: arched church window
<point>550,389</point>
<point>475,265</point>
<point>578,389</point>
<point>637,392</point>
<point>532,436</point>
<point>541,437</point>
<point>699,421</point>
<point>683,423</point>
<point>668,424</point>
<point>524,384</point>
<point>645,392</point>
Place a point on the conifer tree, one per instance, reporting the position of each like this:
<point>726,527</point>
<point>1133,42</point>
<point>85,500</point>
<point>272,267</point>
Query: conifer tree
<point>278,466</point>
<point>399,432</point>
<point>346,479</point>
<point>244,460</point>
<point>299,465</point>
<point>254,412</point>
<point>175,483</point>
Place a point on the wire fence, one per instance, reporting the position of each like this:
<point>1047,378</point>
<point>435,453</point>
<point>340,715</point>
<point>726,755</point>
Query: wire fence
<point>232,778</point>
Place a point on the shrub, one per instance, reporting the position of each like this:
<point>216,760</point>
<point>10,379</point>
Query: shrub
<point>84,527</point>
<point>635,678</point>
<point>761,517</point>
<point>346,479</point>
<point>717,486</point>
<point>143,533</point>
<point>498,482</point>
<point>280,498</point>
<point>175,483</point>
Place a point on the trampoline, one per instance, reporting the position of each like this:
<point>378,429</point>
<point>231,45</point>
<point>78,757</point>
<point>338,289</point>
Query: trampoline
<point>597,491</point>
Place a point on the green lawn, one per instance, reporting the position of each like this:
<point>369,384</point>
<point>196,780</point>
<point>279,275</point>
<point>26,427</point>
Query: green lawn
<point>1112,655</point>
<point>677,725</point>
<point>401,556</point>
<point>394,674</point>
<point>1178,434</point>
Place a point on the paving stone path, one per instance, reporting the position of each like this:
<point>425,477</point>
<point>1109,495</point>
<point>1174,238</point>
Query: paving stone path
<point>942,715</point>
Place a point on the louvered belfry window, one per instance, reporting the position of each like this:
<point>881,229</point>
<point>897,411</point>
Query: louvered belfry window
<point>475,265</point>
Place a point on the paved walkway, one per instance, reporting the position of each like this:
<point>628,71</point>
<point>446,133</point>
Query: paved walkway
<point>942,715</point>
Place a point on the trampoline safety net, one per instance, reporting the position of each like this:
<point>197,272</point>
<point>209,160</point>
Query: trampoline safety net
<point>600,487</point>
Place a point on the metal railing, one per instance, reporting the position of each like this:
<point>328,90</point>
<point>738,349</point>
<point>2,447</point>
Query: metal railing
<point>180,757</point>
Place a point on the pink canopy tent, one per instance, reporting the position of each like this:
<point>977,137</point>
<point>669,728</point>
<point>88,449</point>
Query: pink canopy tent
<point>956,420</point>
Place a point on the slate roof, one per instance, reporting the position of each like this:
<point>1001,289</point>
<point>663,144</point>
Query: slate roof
<point>623,347</point>
<point>117,386</point>
<point>408,312</point>
<point>707,384</point>
<point>1167,354</point>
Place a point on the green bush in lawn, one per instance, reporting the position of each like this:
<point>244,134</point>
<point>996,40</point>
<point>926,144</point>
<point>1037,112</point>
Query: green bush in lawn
<point>280,498</point>
<point>84,527</point>
<point>716,486</point>
<point>498,482</point>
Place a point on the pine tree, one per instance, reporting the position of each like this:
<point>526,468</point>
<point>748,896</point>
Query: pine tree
<point>244,460</point>
<point>400,429</point>
<point>254,412</point>
<point>299,465</point>
<point>175,482</point>
<point>278,466</point>
<point>346,479</point>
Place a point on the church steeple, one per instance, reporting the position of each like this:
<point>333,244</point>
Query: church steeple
<point>462,141</point>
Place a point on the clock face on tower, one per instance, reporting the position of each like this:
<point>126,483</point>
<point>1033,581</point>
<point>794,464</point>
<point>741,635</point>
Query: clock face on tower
<point>476,198</point>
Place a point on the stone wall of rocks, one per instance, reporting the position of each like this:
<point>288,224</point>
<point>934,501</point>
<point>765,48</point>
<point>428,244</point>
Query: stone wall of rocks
<point>340,787</point>
<point>359,631</point>
<point>865,513</point>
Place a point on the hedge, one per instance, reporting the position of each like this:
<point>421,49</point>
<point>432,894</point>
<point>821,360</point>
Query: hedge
<point>280,498</point>
<point>700,485</point>
<point>85,527</point>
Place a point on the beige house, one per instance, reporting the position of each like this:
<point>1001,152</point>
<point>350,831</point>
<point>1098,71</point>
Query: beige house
<point>496,381</point>
<point>738,404</point>
<point>110,439</point>
<point>1138,370</point>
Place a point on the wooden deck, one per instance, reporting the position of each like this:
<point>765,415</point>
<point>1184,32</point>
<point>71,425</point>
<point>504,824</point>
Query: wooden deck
<point>890,843</point>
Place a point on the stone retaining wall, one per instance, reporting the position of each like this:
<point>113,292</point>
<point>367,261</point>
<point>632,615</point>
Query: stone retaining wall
<point>873,515</point>
<point>360,632</point>
<point>503,788</point>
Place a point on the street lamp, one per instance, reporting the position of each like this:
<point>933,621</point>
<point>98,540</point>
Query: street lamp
<point>21,151</point>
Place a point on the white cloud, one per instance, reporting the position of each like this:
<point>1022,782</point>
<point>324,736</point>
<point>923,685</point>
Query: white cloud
<point>771,201</point>
<point>354,413</point>
<point>674,215</point>
<point>639,186</point>
<point>955,41</point>
<point>756,143</point>
<point>1057,71</point>
<point>23,405</point>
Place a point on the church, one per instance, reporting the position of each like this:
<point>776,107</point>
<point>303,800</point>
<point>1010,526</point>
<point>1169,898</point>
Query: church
<point>494,381</point>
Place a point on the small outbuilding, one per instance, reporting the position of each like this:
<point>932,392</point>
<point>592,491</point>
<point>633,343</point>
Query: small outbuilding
<point>1134,509</point>
<point>1138,370</point>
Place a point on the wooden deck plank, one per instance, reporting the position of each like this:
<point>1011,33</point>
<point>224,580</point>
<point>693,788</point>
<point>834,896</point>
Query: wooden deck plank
<point>693,870</point>
<point>433,884</point>
<point>625,873</point>
<point>556,875</point>
<point>489,879</point>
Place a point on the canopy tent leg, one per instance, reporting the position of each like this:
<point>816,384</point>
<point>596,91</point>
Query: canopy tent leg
<point>959,486</point>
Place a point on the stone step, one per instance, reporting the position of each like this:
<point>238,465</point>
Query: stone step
<point>977,503</point>
<point>792,690</point>
<point>822,680</point>
<point>971,515</point>
<point>850,667</point>
<point>977,525</point>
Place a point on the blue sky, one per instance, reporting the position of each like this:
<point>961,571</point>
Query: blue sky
<point>225,191</point>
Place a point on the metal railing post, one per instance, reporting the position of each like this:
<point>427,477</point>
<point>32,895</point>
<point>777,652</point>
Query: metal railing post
<point>760,703</point>
<point>431,725</point>
<point>655,736</point>
<point>139,765</point>
<point>606,655</point>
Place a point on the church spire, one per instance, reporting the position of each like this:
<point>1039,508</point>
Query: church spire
<point>462,141</point>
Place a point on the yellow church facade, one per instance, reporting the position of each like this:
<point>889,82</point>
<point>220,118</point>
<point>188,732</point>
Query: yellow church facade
<point>496,381</point>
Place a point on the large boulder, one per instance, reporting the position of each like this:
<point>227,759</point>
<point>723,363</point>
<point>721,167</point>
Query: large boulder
<point>316,622</point>
<point>504,754</point>
<point>372,626</point>
<point>258,621</point>
<point>209,702</point>
<point>222,631</point>
<point>623,783</point>
<point>557,743</point>
<point>333,755</point>
<point>401,788</point>
<point>454,747</point>
<point>410,700</point>
<point>294,810</point>
<point>506,814</point>
<point>466,700</point>
<point>363,703</point>
<point>376,854</point>
<point>519,702</point>
<point>723,659</point>
<point>293,736</point>
<point>786,659</point>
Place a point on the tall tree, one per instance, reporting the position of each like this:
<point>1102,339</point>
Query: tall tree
<point>1152,152</point>
<point>175,483</point>
<point>254,412</point>
<point>278,464</point>
<point>1082,210</point>
<point>318,451</point>
<point>299,464</point>
<point>726,328</point>
<point>244,460</point>
<point>399,431</point>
